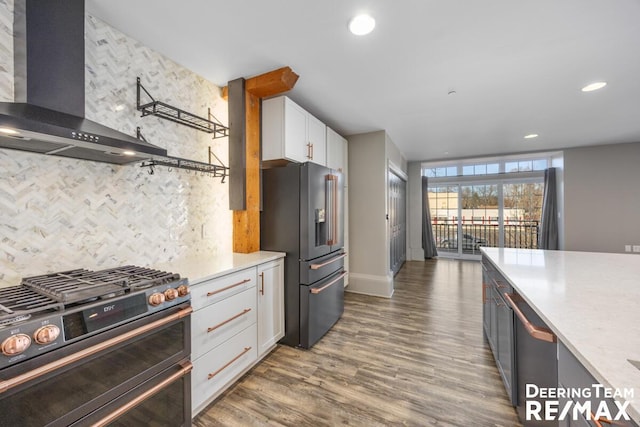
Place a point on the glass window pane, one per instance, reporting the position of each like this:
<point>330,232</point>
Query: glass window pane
<point>452,171</point>
<point>511,167</point>
<point>430,172</point>
<point>467,170</point>
<point>524,166</point>
<point>493,168</point>
<point>539,165</point>
<point>440,172</point>
<point>481,169</point>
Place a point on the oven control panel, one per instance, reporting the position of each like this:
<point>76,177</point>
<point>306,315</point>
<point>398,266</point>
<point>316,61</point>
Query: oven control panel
<point>29,338</point>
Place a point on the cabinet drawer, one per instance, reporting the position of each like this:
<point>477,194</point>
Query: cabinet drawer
<point>217,368</point>
<point>212,291</point>
<point>572,374</point>
<point>217,323</point>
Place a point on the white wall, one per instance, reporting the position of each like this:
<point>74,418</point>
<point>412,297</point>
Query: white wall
<point>414,226</point>
<point>60,214</point>
<point>602,197</point>
<point>369,158</point>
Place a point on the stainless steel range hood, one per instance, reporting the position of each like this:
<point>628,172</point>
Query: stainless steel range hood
<point>48,115</point>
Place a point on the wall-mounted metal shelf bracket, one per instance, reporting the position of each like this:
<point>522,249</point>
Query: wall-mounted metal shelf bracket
<point>211,169</point>
<point>160,109</point>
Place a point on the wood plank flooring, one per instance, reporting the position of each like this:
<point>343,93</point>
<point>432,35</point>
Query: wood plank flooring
<point>416,359</point>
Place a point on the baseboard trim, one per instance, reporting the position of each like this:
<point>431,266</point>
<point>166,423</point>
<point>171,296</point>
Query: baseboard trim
<point>368,284</point>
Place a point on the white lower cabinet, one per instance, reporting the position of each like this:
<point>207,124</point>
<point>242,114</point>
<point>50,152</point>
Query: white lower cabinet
<point>238,318</point>
<point>216,323</point>
<point>270,305</point>
<point>221,366</point>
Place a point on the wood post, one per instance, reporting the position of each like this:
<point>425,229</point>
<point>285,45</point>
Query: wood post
<point>244,151</point>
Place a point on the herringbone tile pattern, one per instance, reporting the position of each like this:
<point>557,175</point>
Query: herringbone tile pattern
<point>6,50</point>
<point>58,213</point>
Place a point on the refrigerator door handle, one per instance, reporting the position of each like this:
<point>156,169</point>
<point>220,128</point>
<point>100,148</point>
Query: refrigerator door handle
<point>332,260</point>
<point>333,202</point>
<point>336,280</point>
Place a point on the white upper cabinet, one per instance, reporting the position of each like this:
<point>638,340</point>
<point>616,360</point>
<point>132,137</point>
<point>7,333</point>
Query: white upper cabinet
<point>289,132</point>
<point>336,147</point>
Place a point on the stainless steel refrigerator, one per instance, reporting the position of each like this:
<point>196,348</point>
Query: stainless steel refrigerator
<point>302,215</point>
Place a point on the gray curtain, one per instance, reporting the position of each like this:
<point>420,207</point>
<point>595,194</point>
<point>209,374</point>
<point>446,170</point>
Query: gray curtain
<point>428,242</point>
<point>548,238</point>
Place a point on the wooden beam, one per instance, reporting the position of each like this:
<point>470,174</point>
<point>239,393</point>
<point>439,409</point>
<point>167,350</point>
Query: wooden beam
<point>246,223</point>
<point>268,84</point>
<point>272,83</point>
<point>246,95</point>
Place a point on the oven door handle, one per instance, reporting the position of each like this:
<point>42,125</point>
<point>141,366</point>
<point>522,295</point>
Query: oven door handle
<point>72,358</point>
<point>186,368</point>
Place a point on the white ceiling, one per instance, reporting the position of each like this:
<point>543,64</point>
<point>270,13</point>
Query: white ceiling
<point>516,66</point>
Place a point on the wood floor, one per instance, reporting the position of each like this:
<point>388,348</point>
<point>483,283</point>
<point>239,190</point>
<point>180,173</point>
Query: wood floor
<point>416,359</point>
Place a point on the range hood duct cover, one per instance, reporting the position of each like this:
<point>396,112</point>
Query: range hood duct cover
<point>49,111</point>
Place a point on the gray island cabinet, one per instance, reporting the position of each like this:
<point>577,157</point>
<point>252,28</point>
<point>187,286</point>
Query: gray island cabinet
<point>563,362</point>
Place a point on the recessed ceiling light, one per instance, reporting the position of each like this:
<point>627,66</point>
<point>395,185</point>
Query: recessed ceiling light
<point>361,25</point>
<point>8,131</point>
<point>129,153</point>
<point>594,86</point>
<point>531,135</point>
<point>119,107</point>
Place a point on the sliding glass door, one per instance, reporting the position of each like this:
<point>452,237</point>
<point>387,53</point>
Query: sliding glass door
<point>465,217</point>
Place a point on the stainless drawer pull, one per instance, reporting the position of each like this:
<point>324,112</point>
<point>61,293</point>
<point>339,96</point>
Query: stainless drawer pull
<point>332,260</point>
<point>242,282</point>
<point>242,313</point>
<point>213,374</point>
<point>186,368</point>
<point>318,290</point>
<point>537,332</point>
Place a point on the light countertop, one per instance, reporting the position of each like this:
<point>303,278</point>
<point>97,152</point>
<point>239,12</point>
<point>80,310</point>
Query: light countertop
<point>591,301</point>
<point>200,269</point>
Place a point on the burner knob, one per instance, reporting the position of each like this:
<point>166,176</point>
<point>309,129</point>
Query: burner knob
<point>171,294</point>
<point>46,334</point>
<point>156,299</point>
<point>183,290</point>
<point>15,344</point>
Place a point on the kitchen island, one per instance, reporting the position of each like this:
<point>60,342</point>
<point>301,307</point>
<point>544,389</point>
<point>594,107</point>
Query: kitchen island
<point>590,301</point>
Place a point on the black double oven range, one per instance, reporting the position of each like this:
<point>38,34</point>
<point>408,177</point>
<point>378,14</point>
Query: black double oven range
<point>108,347</point>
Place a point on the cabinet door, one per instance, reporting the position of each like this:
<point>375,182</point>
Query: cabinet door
<point>505,345</point>
<point>317,136</point>
<point>335,150</point>
<point>270,305</point>
<point>295,132</point>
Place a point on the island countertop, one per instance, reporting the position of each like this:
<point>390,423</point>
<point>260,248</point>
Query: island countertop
<point>591,301</point>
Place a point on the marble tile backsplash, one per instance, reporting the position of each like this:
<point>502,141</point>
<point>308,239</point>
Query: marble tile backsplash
<point>58,213</point>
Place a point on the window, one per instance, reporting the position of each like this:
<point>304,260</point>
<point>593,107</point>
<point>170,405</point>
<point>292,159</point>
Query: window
<point>493,202</point>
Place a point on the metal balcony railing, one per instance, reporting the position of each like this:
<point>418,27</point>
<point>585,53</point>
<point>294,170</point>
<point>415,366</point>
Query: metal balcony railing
<point>517,234</point>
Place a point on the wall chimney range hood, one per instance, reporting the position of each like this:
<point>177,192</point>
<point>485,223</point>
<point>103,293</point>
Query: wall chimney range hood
<point>47,116</point>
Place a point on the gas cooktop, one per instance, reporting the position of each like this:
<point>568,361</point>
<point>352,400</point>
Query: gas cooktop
<point>51,310</point>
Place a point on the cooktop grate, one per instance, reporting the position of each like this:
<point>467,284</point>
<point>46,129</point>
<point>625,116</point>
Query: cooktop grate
<point>80,285</point>
<point>19,303</point>
<point>141,278</point>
